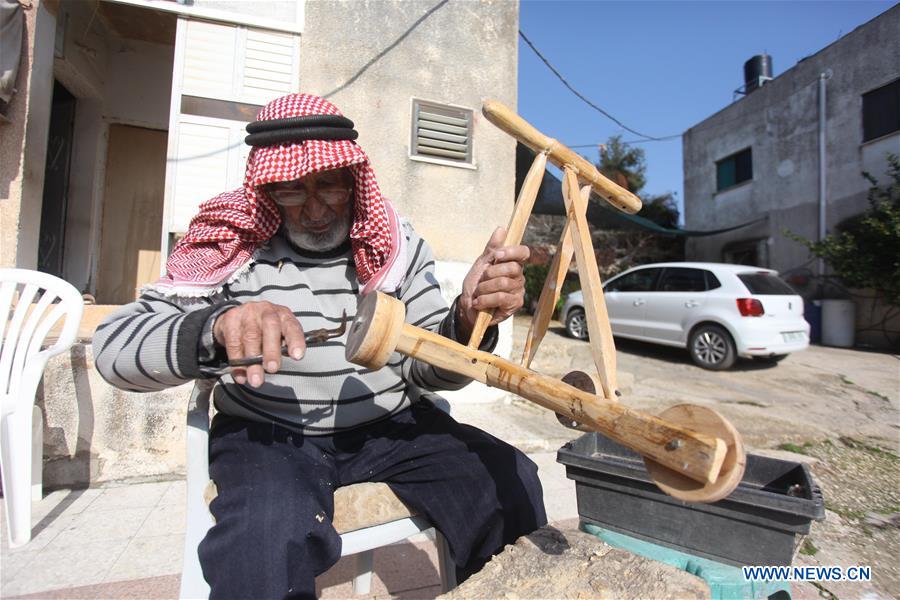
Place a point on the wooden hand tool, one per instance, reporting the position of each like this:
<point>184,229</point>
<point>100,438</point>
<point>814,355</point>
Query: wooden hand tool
<point>603,349</point>
<point>700,466</point>
<point>556,276</point>
<point>524,205</point>
<point>506,119</point>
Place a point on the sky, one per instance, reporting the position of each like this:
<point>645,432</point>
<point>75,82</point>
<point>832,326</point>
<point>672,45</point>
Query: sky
<point>660,67</point>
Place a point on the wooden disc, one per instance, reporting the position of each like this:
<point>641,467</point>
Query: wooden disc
<point>706,421</point>
<point>375,330</point>
<point>586,382</point>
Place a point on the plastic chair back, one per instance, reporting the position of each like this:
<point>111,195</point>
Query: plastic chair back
<point>34,303</point>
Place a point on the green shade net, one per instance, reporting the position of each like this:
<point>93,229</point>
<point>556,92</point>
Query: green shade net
<point>599,213</point>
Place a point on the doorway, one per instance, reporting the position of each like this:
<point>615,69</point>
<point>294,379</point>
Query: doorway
<point>748,252</point>
<point>132,212</point>
<point>55,203</point>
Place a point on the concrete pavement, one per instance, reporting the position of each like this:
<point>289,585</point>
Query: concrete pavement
<point>125,540</point>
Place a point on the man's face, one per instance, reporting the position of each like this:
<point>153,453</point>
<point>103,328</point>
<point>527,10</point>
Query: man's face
<point>316,209</point>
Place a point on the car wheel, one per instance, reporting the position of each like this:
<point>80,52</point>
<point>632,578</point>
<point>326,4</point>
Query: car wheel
<point>712,348</point>
<point>576,324</point>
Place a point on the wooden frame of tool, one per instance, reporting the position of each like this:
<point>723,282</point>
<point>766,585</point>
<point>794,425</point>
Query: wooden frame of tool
<point>691,452</point>
<point>575,240</point>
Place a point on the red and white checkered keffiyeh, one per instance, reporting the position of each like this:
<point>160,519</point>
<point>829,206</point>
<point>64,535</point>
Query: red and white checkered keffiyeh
<point>223,236</point>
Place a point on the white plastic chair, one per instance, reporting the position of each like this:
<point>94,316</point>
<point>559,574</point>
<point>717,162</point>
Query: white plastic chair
<point>24,329</point>
<point>360,542</point>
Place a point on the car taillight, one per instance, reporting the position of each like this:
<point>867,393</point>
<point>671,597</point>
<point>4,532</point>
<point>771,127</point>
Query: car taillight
<point>750,307</point>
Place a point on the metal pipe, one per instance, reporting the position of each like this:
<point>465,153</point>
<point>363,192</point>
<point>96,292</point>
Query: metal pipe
<point>823,77</point>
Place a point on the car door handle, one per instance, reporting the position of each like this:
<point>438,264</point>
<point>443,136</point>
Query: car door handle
<point>638,303</point>
<point>691,304</point>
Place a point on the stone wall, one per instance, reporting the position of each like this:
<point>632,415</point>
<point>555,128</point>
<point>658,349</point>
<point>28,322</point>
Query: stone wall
<point>94,432</point>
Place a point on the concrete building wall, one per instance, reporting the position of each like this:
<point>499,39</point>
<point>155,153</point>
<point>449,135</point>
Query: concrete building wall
<point>23,144</point>
<point>139,85</point>
<point>780,123</point>
<point>12,141</point>
<point>372,57</point>
<point>115,81</point>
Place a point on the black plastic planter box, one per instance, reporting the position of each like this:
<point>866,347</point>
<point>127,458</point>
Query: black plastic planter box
<point>756,525</point>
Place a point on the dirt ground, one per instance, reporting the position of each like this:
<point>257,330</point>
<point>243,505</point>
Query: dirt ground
<point>835,409</point>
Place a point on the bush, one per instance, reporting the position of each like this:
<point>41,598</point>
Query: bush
<point>535,275</point>
<point>864,254</point>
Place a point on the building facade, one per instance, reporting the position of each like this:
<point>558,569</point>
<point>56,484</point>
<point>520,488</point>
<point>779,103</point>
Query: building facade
<point>131,112</point>
<point>127,114</point>
<point>762,159</point>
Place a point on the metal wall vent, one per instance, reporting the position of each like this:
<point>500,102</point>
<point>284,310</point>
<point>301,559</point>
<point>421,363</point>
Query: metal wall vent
<point>441,132</point>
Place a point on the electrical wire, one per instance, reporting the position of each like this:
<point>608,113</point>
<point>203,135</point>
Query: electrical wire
<point>626,142</point>
<point>588,102</point>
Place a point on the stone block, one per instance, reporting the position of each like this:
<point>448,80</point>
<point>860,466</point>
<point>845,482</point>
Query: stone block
<point>563,562</point>
<point>95,433</point>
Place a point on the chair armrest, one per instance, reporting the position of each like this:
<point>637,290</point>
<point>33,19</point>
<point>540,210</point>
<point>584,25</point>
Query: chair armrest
<point>197,434</point>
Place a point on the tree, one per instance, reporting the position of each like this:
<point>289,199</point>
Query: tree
<point>627,166</point>
<point>661,209</point>
<point>865,253</point>
<point>620,161</point>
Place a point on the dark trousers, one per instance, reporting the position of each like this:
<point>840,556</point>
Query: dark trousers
<point>273,533</point>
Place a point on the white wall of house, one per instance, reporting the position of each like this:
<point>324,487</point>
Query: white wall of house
<point>23,144</point>
<point>139,84</point>
<point>372,58</point>
<point>780,123</point>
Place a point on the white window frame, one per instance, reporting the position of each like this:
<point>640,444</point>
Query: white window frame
<point>224,16</point>
<point>175,115</point>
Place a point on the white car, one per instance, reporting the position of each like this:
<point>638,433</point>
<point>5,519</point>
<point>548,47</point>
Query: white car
<point>717,311</point>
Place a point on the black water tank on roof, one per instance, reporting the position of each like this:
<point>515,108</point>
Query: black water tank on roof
<point>758,66</point>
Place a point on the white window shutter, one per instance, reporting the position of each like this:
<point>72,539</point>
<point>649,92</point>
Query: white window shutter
<point>200,168</point>
<point>209,60</point>
<point>230,62</point>
<point>225,62</point>
<point>270,65</point>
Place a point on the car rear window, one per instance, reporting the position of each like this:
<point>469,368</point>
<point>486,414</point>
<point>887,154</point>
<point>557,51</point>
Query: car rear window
<point>766,284</point>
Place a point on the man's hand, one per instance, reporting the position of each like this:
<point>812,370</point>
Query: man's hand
<point>258,328</point>
<point>495,282</point>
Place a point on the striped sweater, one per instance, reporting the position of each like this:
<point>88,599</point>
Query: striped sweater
<point>158,342</point>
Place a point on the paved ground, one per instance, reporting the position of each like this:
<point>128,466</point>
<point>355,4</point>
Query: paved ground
<point>837,410</point>
<point>125,541</point>
<point>839,407</point>
<point>811,395</point>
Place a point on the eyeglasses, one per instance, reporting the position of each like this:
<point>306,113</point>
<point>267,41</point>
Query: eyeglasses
<point>297,196</point>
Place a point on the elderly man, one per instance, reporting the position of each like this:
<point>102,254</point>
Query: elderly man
<point>290,251</point>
